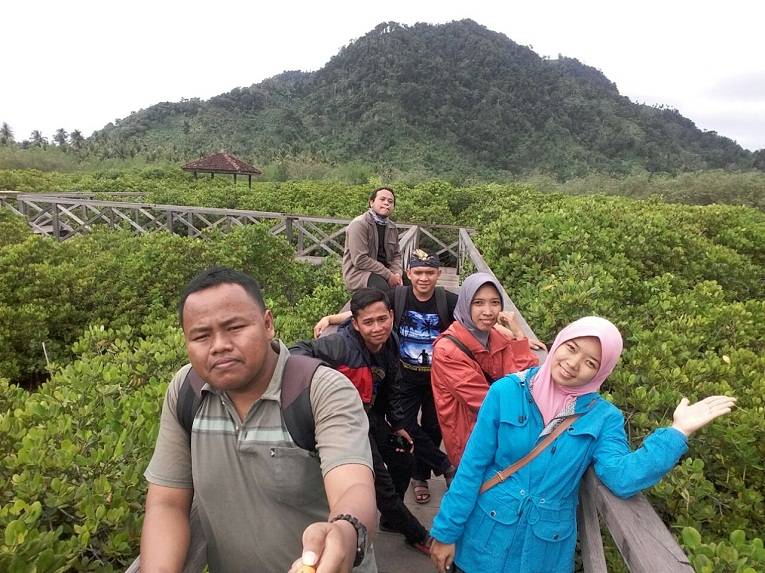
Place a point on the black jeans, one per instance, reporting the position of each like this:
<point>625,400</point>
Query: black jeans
<point>427,434</point>
<point>378,282</point>
<point>392,473</point>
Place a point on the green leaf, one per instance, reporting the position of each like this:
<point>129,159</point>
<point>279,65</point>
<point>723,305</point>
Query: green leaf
<point>737,537</point>
<point>691,537</point>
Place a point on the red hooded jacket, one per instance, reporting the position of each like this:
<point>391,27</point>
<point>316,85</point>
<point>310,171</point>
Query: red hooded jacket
<point>459,385</point>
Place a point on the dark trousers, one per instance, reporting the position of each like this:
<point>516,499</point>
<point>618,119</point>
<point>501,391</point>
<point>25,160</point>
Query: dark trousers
<point>392,473</point>
<point>427,434</point>
<point>378,282</point>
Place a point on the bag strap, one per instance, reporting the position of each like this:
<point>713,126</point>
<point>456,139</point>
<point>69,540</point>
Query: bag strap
<point>459,344</point>
<point>189,400</point>
<point>511,469</point>
<point>295,400</point>
<point>399,302</point>
<point>442,307</point>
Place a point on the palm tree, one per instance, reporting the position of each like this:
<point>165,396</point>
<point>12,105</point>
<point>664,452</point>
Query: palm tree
<point>76,140</point>
<point>6,134</point>
<point>60,137</point>
<point>36,139</point>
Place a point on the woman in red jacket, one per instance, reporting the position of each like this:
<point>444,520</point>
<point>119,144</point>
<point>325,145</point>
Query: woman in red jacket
<point>468,356</point>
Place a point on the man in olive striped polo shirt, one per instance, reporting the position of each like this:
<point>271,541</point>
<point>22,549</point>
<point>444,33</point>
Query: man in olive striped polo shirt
<point>262,500</point>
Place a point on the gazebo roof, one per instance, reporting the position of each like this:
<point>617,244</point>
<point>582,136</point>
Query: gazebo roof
<point>222,163</point>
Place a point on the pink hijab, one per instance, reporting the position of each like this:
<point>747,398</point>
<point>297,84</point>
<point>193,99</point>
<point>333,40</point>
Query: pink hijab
<point>551,398</point>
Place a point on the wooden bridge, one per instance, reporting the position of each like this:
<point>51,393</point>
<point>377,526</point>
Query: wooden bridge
<point>645,543</point>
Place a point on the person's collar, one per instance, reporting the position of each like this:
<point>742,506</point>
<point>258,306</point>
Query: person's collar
<point>496,341</point>
<point>426,299</point>
<point>274,388</point>
<point>380,220</point>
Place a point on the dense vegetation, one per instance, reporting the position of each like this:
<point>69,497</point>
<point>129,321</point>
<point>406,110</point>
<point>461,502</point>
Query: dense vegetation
<point>166,183</point>
<point>451,101</point>
<point>685,284</point>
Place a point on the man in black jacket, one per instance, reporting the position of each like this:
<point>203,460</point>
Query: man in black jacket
<point>421,312</point>
<point>367,353</point>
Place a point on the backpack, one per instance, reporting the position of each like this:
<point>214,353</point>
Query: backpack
<point>399,302</point>
<point>295,400</point>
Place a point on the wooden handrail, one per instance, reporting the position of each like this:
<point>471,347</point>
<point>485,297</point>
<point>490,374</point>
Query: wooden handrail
<point>645,543</point>
<point>407,243</point>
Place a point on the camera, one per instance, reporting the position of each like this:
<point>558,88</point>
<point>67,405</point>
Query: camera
<point>399,442</point>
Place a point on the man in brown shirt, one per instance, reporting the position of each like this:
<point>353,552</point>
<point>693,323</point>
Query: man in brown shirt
<point>262,500</point>
<point>371,257</point>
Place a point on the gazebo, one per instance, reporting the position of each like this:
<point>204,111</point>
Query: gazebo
<point>222,163</point>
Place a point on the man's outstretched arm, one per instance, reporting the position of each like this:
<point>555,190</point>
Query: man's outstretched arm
<point>350,490</point>
<point>166,532</point>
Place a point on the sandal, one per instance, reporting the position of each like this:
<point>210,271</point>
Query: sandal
<point>421,491</point>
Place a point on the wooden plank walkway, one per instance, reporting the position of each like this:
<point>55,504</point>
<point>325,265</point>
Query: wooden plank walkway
<point>392,554</point>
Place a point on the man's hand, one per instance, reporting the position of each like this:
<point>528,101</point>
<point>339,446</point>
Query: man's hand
<point>327,548</point>
<point>394,280</point>
<point>404,434</point>
<point>691,417</point>
<point>320,326</point>
<point>442,555</point>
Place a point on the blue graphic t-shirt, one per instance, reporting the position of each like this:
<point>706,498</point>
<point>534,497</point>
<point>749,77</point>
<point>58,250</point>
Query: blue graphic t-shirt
<point>419,326</point>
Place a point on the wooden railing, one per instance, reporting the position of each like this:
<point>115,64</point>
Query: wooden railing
<point>68,214</point>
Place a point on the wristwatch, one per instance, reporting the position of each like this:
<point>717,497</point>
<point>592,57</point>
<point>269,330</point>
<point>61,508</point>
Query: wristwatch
<point>361,536</point>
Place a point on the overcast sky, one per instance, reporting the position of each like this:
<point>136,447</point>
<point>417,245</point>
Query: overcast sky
<point>81,64</point>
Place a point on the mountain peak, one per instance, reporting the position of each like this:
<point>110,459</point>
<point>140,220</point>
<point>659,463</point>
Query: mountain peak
<point>453,97</point>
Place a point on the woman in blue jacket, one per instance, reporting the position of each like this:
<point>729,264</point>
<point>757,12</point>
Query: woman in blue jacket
<point>527,524</point>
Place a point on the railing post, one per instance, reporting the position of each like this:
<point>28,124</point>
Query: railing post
<point>56,223</point>
<point>590,539</point>
<point>288,229</point>
<point>300,246</point>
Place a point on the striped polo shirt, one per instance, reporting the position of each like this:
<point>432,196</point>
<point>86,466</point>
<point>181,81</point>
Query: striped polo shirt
<point>256,490</point>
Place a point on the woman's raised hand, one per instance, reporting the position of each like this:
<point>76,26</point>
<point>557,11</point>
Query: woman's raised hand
<point>690,417</point>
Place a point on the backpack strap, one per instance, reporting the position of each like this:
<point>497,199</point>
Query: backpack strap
<point>189,400</point>
<point>499,477</point>
<point>295,400</point>
<point>459,344</point>
<point>442,307</point>
<point>399,302</point>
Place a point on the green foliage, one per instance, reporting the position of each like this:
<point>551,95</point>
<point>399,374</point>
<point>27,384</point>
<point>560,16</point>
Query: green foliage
<point>50,291</point>
<point>74,452</point>
<point>686,285</point>
<point>12,229</point>
<point>737,554</point>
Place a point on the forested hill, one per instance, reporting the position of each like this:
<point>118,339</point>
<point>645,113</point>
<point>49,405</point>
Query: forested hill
<point>437,99</point>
